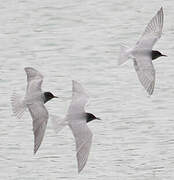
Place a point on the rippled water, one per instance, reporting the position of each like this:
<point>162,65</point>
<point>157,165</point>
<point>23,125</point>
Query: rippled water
<point>74,39</point>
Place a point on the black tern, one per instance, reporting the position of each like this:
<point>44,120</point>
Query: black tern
<point>77,120</point>
<point>34,101</point>
<point>142,54</point>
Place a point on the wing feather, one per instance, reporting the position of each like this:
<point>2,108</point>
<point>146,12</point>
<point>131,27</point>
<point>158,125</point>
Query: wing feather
<point>34,80</point>
<point>39,115</point>
<point>32,73</point>
<point>152,31</point>
<point>145,72</point>
<point>83,138</point>
<point>79,99</point>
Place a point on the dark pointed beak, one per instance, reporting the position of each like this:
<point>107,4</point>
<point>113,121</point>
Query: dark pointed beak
<point>56,97</point>
<point>164,55</point>
<point>98,118</point>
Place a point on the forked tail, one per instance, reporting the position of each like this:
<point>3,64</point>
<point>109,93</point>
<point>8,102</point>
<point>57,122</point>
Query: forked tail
<point>124,54</point>
<point>18,106</point>
<point>58,123</point>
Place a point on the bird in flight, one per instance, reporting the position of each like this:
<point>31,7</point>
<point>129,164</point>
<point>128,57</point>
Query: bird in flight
<point>143,55</point>
<point>34,101</point>
<point>77,120</point>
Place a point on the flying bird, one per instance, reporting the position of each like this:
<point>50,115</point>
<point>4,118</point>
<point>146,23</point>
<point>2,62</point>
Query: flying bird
<point>34,101</point>
<point>77,120</point>
<point>143,55</point>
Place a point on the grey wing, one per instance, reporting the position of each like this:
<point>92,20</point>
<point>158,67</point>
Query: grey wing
<point>152,32</point>
<point>83,138</point>
<point>79,98</point>
<point>39,115</point>
<point>146,73</point>
<point>34,86</point>
<point>32,74</point>
<point>34,80</point>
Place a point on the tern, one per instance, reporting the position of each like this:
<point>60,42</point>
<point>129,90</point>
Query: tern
<point>34,101</point>
<point>77,120</point>
<point>143,55</point>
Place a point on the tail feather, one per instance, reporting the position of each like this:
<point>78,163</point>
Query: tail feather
<point>124,55</point>
<point>18,107</point>
<point>58,123</point>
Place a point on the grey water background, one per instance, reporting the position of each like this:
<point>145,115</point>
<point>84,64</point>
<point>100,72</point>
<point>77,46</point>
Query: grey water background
<point>74,39</point>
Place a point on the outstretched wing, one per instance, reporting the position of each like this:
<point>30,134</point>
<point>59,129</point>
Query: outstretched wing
<point>152,32</point>
<point>146,72</point>
<point>34,80</point>
<point>32,74</point>
<point>39,115</point>
<point>79,99</point>
<point>83,138</point>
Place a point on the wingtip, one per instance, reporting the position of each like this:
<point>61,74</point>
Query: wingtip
<point>26,68</point>
<point>34,152</point>
<point>31,68</point>
<point>75,82</point>
<point>161,10</point>
<point>150,92</point>
<point>80,169</point>
<point>35,149</point>
<point>32,73</point>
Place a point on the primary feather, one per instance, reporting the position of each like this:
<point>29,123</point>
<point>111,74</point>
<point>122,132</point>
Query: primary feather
<point>152,32</point>
<point>79,99</point>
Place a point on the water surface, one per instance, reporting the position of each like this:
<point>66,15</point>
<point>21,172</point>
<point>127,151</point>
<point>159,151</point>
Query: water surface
<point>73,39</point>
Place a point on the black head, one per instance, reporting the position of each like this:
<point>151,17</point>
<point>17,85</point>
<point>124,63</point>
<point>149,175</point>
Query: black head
<point>48,96</point>
<point>90,117</point>
<point>156,54</point>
